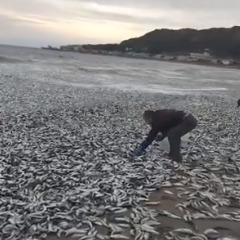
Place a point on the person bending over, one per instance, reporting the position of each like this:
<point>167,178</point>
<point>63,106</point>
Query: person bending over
<point>169,123</point>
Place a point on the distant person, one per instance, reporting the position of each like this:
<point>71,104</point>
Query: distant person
<point>167,123</point>
<point>238,103</point>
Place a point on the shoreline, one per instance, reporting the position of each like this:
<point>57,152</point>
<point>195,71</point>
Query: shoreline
<point>233,66</point>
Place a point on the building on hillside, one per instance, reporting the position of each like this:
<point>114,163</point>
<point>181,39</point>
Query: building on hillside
<point>157,56</point>
<point>76,49</point>
<point>64,48</point>
<point>168,57</point>
<point>80,49</point>
<point>128,49</point>
<point>201,56</point>
<point>227,62</point>
<point>114,53</point>
<point>183,58</point>
<point>215,61</point>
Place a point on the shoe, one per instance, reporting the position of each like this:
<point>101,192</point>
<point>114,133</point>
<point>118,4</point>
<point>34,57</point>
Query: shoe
<point>177,159</point>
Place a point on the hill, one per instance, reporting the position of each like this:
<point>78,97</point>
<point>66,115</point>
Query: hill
<point>221,42</point>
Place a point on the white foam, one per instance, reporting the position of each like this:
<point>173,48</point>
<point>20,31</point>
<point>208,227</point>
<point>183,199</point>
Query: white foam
<point>154,88</point>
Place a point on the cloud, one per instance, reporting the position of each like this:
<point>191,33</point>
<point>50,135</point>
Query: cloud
<point>80,21</point>
<point>212,5</point>
<point>131,18</point>
<point>14,20</point>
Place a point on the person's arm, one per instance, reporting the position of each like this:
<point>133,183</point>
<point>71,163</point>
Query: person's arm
<point>140,150</point>
<point>150,138</point>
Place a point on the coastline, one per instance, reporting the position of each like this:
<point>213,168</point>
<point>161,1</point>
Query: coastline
<point>152,58</point>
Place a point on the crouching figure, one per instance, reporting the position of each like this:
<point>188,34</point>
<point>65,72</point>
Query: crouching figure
<point>169,123</point>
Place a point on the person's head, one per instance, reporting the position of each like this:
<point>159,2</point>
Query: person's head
<point>148,116</point>
<point>238,103</point>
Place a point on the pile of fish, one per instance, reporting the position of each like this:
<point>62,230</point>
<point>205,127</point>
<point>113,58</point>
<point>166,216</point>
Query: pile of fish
<point>66,166</point>
<point>208,184</point>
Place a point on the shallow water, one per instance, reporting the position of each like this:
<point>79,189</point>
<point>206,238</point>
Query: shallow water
<point>83,70</point>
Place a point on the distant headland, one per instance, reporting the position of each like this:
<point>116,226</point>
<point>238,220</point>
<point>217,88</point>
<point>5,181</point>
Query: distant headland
<point>214,46</point>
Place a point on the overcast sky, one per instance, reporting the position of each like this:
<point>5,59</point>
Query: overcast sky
<point>56,22</point>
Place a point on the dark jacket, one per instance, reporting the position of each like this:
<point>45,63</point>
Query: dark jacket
<point>163,120</point>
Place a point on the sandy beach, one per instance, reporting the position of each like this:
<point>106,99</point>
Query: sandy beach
<point>69,125</point>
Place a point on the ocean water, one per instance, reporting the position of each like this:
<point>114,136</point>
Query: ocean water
<point>85,70</point>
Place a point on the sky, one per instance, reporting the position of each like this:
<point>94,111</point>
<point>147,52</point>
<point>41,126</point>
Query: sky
<point>57,22</point>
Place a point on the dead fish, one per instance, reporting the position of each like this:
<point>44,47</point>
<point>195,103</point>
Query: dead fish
<point>152,203</point>
<point>150,222</point>
<point>178,184</point>
<point>115,228</point>
<point>148,229</point>
<point>100,236</point>
<point>227,238</point>
<point>166,213</point>
<point>118,236</point>
<point>123,210</point>
<point>122,219</point>
<point>184,230</point>
<point>211,234</point>
<point>187,218</point>
<point>166,184</point>
<point>75,231</point>
<point>198,237</point>
<point>168,192</point>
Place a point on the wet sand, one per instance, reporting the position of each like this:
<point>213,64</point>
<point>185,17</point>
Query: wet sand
<point>169,202</point>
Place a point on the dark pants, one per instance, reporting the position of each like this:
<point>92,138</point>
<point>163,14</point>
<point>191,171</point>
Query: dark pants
<point>174,136</point>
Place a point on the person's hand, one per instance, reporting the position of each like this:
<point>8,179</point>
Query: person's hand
<point>139,151</point>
